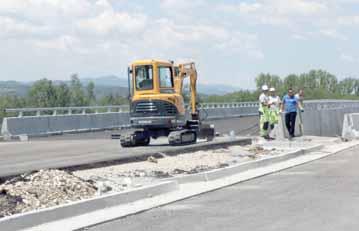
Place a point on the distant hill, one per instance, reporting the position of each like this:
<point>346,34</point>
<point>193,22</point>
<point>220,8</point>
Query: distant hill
<point>106,85</point>
<point>14,88</point>
<point>112,80</point>
<point>216,89</point>
<point>108,80</point>
<point>102,88</point>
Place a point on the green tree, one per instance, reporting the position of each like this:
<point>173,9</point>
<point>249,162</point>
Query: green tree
<point>270,80</point>
<point>10,101</point>
<point>42,94</point>
<point>291,81</point>
<point>63,95</point>
<point>78,97</point>
<point>91,97</point>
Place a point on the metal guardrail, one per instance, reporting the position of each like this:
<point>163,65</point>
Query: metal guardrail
<point>21,112</point>
<point>228,105</point>
<point>331,105</point>
<point>309,104</point>
<point>68,110</point>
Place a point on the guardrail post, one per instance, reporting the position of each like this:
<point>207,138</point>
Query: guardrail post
<point>54,113</point>
<point>38,113</point>
<point>83,111</point>
<point>69,112</point>
<point>21,114</point>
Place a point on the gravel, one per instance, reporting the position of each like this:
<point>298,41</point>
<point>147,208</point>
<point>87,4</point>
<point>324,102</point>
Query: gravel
<point>42,189</point>
<point>137,174</point>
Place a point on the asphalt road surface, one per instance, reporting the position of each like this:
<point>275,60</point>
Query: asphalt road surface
<point>241,126</point>
<point>85,148</point>
<point>322,195</point>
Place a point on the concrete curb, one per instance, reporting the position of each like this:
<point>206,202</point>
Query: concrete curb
<point>206,146</point>
<point>35,218</point>
<point>231,170</point>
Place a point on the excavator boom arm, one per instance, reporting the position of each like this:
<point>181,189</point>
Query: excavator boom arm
<point>189,70</point>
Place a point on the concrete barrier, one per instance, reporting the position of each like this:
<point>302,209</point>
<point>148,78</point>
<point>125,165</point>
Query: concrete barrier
<point>45,125</point>
<point>321,117</point>
<point>216,113</point>
<point>327,122</point>
<point>57,124</point>
<point>351,126</point>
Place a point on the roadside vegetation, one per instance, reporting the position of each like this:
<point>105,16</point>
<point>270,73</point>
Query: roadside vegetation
<point>46,93</point>
<point>317,84</point>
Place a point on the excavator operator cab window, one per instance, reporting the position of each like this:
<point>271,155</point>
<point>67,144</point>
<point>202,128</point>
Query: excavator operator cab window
<point>144,77</point>
<point>166,79</point>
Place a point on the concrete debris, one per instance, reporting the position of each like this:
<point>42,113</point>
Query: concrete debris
<point>130,175</point>
<point>42,189</point>
<point>152,159</point>
<point>103,187</point>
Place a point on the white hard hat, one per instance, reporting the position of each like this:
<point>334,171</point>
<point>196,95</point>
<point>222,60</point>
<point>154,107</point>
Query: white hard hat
<point>272,89</point>
<point>264,88</point>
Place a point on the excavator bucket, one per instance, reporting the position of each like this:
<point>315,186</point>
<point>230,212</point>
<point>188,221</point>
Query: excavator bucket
<point>206,131</point>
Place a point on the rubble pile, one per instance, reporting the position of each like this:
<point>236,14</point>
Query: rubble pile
<point>131,175</point>
<point>42,189</point>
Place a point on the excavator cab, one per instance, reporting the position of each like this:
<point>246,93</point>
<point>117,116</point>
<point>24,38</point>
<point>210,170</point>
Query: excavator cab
<point>156,104</point>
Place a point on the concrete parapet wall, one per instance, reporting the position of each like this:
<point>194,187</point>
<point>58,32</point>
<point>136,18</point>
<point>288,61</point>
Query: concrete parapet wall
<point>326,122</point>
<point>57,124</point>
<point>321,118</point>
<point>217,113</point>
<point>43,125</point>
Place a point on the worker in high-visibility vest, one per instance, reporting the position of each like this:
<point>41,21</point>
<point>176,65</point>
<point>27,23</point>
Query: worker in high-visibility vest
<point>274,107</point>
<point>264,113</point>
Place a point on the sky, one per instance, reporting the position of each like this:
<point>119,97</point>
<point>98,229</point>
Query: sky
<point>230,41</point>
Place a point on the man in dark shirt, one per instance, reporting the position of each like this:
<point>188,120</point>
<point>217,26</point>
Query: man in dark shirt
<point>290,105</point>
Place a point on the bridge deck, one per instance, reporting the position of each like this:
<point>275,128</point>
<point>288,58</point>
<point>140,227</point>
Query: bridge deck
<point>86,148</point>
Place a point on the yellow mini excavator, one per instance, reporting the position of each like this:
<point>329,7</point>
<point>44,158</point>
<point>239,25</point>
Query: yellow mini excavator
<point>157,107</point>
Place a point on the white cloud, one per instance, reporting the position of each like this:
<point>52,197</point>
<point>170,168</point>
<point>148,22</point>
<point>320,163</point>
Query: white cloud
<point>19,29</point>
<point>179,5</point>
<point>347,58</point>
<point>111,21</point>
<point>192,39</point>
<point>64,43</point>
<point>349,20</point>
<point>277,12</point>
<point>334,34</point>
<point>297,7</point>
<point>38,9</point>
<point>299,37</point>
